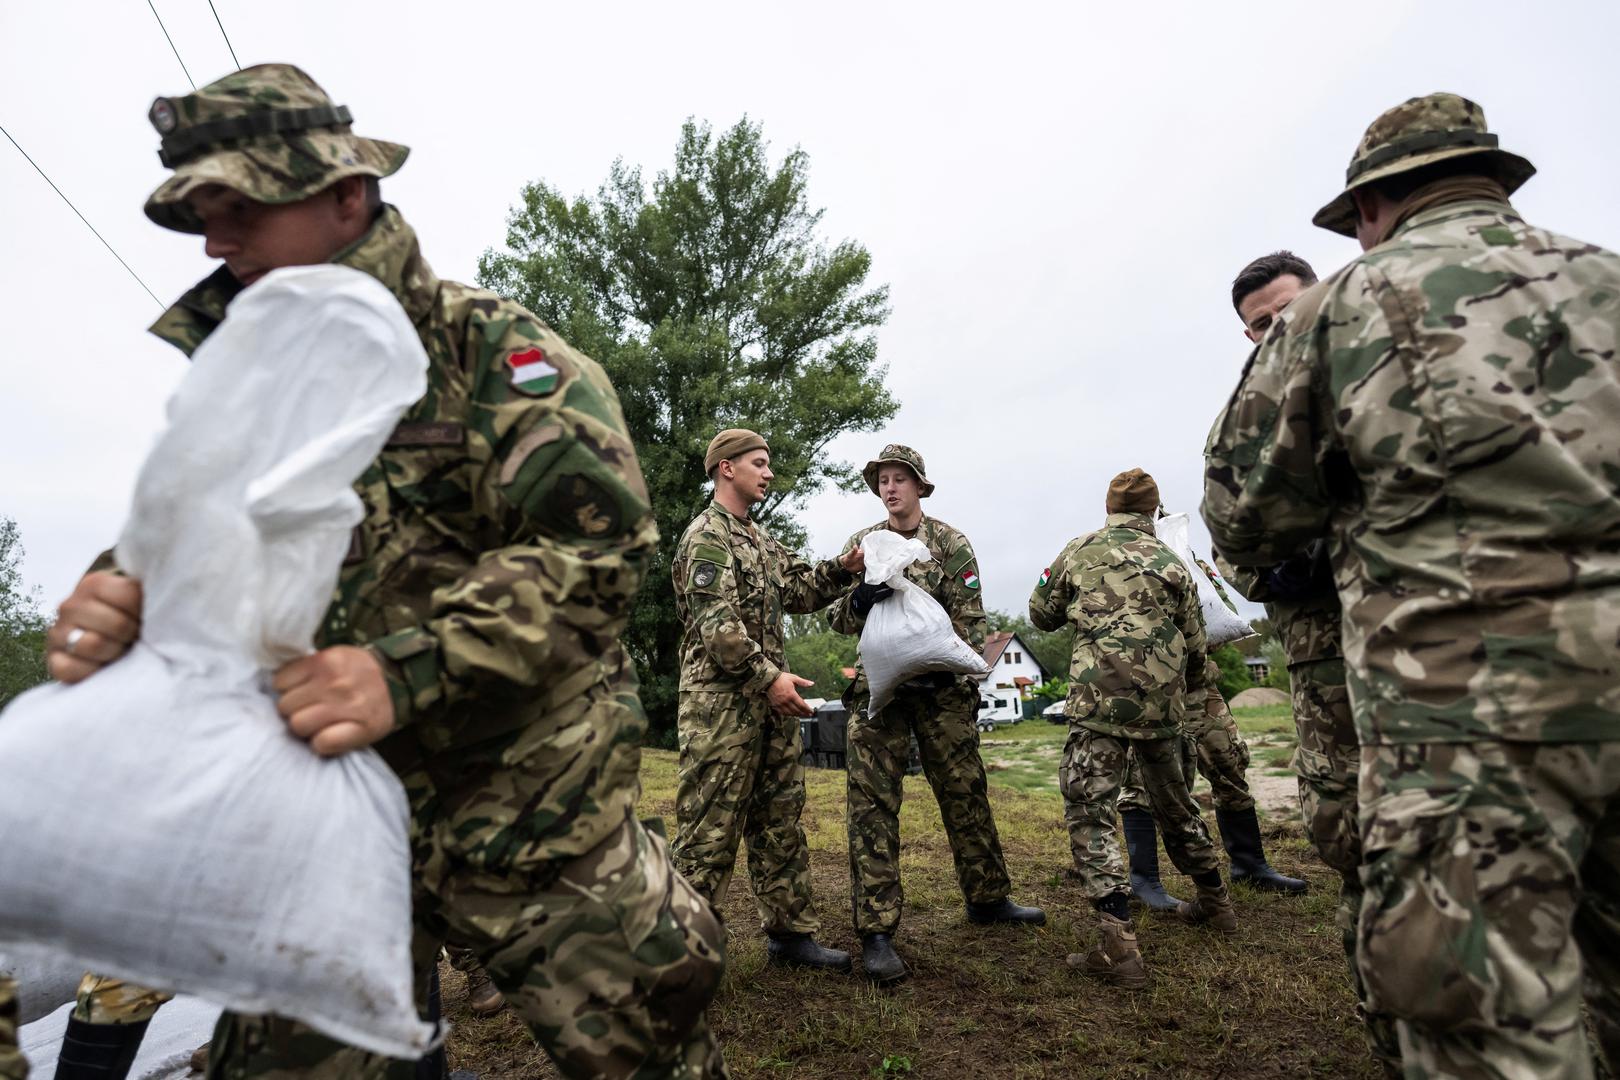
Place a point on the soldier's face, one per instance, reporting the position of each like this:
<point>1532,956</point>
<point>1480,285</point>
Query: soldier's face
<point>254,238</point>
<point>1260,308</point>
<point>750,475</point>
<point>897,487</point>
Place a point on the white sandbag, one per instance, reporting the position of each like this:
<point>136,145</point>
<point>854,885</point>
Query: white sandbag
<point>44,983</point>
<point>160,822</point>
<point>908,633</point>
<point>1222,623</point>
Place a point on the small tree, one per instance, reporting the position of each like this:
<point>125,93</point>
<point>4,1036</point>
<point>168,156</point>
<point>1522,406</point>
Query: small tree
<point>1276,666</point>
<point>22,627</point>
<point>711,303</point>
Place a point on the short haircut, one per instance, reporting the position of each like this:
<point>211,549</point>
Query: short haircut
<point>1397,187</point>
<point>1266,269</point>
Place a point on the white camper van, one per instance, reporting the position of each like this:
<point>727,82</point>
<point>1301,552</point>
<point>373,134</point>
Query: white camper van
<point>1000,706</point>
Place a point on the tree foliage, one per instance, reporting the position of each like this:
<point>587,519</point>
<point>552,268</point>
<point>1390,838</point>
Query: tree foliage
<point>22,627</point>
<point>1276,665</point>
<point>712,303</point>
<point>1234,672</point>
<point>819,653</point>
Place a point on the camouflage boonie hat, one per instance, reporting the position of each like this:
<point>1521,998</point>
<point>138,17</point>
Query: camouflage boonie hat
<point>269,132</point>
<point>1418,132</point>
<point>895,454</point>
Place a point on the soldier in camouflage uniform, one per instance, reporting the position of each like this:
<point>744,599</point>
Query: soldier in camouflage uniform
<point>741,767</point>
<point>473,636</point>
<point>1304,610</point>
<point>12,1065</point>
<point>939,710</point>
<point>1214,746</point>
<point>1442,409</point>
<point>1139,656</point>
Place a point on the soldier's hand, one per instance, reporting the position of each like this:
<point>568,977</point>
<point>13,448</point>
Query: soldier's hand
<point>94,626</point>
<point>853,560</point>
<point>784,695</point>
<point>336,699</point>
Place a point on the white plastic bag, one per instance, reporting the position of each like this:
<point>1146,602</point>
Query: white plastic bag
<point>44,984</point>
<point>160,822</point>
<point>1222,623</point>
<point>908,633</point>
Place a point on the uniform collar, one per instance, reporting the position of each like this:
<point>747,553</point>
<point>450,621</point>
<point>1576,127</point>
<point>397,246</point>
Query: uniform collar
<point>1435,215</point>
<point>388,252</point>
<point>1139,522</point>
<point>921,521</point>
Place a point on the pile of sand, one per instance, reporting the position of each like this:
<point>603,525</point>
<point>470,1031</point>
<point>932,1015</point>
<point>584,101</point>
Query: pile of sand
<point>1258,695</point>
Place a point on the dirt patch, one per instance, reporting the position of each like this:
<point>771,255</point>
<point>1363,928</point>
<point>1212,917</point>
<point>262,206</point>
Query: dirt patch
<point>1256,696</point>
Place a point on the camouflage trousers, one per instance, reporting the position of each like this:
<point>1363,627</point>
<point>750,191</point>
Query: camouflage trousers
<point>610,958</point>
<point>742,777</point>
<point>1216,748</point>
<point>1492,877</point>
<point>1328,761</point>
<point>12,1065</point>
<point>879,749</point>
<point>1090,776</point>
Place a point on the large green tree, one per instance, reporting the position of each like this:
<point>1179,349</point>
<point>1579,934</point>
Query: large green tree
<point>712,303</point>
<point>22,627</point>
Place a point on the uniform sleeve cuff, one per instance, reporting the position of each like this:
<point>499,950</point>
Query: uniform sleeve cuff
<point>765,673</point>
<point>410,663</point>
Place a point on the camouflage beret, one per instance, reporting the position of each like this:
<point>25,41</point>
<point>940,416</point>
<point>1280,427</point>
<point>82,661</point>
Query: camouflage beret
<point>896,454</point>
<point>1132,492</point>
<point>269,132</point>
<point>1415,133</point>
<point>730,443</point>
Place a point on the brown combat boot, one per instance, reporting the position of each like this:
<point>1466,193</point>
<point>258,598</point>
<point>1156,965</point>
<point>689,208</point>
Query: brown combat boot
<point>1213,906</point>
<point>482,996</point>
<point>1115,958</point>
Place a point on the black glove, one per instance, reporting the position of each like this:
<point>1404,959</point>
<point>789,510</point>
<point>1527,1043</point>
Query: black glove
<point>1302,577</point>
<point>865,595</point>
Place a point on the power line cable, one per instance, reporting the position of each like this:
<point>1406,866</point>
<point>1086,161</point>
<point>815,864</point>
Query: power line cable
<point>170,40</point>
<point>223,34</point>
<point>82,218</point>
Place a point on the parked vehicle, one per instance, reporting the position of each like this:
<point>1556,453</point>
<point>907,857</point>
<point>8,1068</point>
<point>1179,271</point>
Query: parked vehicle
<point>999,707</point>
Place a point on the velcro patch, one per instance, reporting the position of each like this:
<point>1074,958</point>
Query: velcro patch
<point>711,553</point>
<point>703,574</point>
<point>428,433</point>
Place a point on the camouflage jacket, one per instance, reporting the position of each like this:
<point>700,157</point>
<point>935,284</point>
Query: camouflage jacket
<point>1444,408</point>
<point>506,530</point>
<point>1307,629</point>
<point>1139,648</point>
<point>952,578</point>
<point>733,583</point>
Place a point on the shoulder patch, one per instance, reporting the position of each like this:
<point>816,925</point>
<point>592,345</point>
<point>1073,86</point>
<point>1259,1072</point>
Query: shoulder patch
<point>703,574</point>
<point>960,561</point>
<point>1046,578</point>
<point>712,553</point>
<point>970,579</point>
<point>532,374</point>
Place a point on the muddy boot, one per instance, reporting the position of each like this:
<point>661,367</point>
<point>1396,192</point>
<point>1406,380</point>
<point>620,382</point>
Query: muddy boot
<point>1115,958</point>
<point>1004,911</point>
<point>801,950</point>
<point>483,998</point>
<point>98,1051</point>
<point>199,1058</point>
<point>1240,833</point>
<point>1142,843</point>
<point>879,960</point>
<point>1213,907</point>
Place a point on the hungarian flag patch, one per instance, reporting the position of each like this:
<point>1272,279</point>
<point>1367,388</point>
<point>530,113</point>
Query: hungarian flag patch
<point>970,579</point>
<point>1046,575</point>
<point>532,373</point>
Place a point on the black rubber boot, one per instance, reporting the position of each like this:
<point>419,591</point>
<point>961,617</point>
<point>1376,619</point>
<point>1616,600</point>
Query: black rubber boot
<point>1005,911</point>
<point>1142,842</point>
<point>801,950</point>
<point>879,960</point>
<point>1240,832</point>
<point>98,1051</point>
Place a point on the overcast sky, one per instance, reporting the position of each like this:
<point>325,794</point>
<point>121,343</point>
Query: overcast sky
<point>1057,195</point>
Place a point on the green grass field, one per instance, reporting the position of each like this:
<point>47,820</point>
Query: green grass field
<point>999,1001</point>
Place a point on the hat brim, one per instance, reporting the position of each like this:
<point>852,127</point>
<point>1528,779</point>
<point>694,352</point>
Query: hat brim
<point>1340,215</point>
<point>869,474</point>
<point>261,173</point>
